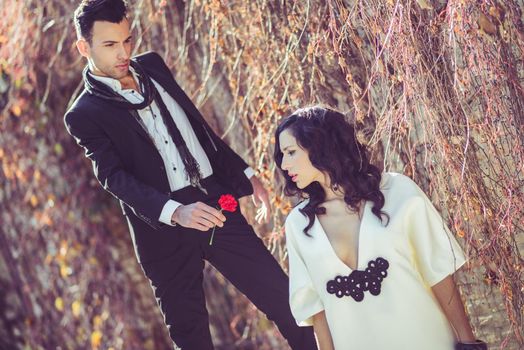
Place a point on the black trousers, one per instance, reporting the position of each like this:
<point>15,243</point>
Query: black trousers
<point>175,269</point>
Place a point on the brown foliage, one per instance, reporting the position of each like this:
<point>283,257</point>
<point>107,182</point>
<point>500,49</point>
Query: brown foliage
<point>435,87</point>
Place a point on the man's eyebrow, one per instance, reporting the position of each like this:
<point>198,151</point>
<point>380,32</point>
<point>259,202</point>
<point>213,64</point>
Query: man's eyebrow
<point>113,42</point>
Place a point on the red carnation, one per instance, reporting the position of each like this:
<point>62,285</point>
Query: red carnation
<point>228,203</point>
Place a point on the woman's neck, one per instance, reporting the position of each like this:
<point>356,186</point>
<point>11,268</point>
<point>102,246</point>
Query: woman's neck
<point>330,193</point>
<point>335,198</point>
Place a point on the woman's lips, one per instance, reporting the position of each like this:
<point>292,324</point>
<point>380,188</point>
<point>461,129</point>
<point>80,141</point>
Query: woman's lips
<point>294,178</point>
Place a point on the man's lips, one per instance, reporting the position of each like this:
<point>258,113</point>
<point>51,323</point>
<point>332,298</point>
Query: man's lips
<point>123,66</point>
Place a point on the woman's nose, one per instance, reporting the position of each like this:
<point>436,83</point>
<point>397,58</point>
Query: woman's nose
<point>285,165</point>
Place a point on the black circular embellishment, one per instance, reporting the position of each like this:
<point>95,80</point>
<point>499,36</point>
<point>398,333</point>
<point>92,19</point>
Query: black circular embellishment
<point>358,281</point>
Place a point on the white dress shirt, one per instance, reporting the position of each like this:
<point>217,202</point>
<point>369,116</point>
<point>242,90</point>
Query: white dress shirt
<point>158,132</point>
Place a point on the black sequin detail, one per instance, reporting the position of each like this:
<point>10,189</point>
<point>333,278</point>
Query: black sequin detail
<point>359,281</point>
<point>477,345</point>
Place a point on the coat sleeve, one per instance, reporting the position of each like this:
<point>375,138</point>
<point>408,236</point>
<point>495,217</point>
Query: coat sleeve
<point>437,252</point>
<point>303,297</point>
<point>145,201</point>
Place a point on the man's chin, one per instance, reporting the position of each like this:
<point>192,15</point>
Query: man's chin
<point>120,74</point>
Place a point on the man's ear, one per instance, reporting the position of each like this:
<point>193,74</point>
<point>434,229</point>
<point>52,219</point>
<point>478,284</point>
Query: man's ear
<point>83,47</point>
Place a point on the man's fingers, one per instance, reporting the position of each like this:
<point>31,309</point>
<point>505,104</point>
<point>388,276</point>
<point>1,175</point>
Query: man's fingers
<point>204,208</point>
<point>200,216</point>
<point>259,216</point>
<point>207,219</point>
<point>207,223</point>
<point>267,205</point>
<point>262,214</point>
<point>200,227</point>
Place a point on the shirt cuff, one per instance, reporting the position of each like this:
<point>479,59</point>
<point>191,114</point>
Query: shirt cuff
<point>249,172</point>
<point>167,212</point>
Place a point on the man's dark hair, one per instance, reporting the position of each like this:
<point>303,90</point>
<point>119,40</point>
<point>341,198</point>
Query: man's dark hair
<point>89,11</point>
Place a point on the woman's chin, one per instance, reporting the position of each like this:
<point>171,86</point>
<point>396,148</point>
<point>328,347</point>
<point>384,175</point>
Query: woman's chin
<point>301,185</point>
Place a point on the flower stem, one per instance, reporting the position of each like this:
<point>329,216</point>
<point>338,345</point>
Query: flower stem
<point>212,235</point>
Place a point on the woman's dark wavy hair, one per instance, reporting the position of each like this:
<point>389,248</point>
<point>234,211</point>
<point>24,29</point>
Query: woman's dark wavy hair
<point>331,143</point>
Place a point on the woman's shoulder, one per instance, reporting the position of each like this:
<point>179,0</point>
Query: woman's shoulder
<point>295,216</point>
<point>389,178</point>
<point>296,210</point>
<point>399,186</point>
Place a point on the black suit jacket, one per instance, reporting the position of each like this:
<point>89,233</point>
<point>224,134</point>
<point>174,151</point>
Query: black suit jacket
<point>125,160</point>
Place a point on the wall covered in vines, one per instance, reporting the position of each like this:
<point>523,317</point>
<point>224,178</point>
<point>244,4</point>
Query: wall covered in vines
<point>434,86</point>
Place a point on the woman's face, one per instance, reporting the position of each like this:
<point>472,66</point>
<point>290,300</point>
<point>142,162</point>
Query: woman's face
<point>295,161</point>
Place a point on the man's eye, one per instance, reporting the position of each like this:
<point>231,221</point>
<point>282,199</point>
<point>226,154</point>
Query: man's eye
<point>108,45</point>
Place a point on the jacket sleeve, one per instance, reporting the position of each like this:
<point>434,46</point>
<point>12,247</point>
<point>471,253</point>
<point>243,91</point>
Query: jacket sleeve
<point>145,201</point>
<point>304,300</point>
<point>436,251</point>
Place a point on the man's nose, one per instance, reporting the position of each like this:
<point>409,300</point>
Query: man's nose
<point>122,53</point>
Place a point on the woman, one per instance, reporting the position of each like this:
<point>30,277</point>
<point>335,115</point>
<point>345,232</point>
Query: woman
<point>370,259</point>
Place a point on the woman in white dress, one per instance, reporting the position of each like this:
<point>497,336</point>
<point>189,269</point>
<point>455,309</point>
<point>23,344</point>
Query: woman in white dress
<point>370,259</point>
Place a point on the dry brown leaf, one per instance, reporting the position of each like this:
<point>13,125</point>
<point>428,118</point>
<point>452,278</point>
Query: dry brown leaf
<point>425,4</point>
<point>486,25</point>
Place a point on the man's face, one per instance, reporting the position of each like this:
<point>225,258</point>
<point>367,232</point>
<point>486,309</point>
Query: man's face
<point>110,49</point>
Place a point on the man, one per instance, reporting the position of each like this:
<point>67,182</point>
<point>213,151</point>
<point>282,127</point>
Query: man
<point>152,149</point>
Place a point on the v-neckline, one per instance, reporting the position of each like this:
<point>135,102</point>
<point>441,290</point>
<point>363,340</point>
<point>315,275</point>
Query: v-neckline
<point>359,245</point>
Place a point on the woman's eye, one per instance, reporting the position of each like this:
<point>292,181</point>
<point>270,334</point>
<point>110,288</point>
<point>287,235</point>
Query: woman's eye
<point>291,153</point>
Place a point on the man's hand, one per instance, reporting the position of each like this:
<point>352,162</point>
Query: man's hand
<point>199,216</point>
<point>260,199</point>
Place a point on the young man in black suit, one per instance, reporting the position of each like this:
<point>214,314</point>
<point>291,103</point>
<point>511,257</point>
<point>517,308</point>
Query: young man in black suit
<point>152,149</point>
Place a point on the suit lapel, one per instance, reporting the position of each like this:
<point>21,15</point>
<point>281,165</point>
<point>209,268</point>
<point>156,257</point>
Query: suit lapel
<point>139,126</point>
<point>175,91</point>
<point>198,123</point>
<point>129,117</point>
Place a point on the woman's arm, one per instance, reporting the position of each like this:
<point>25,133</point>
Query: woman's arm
<point>448,297</point>
<point>321,328</point>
